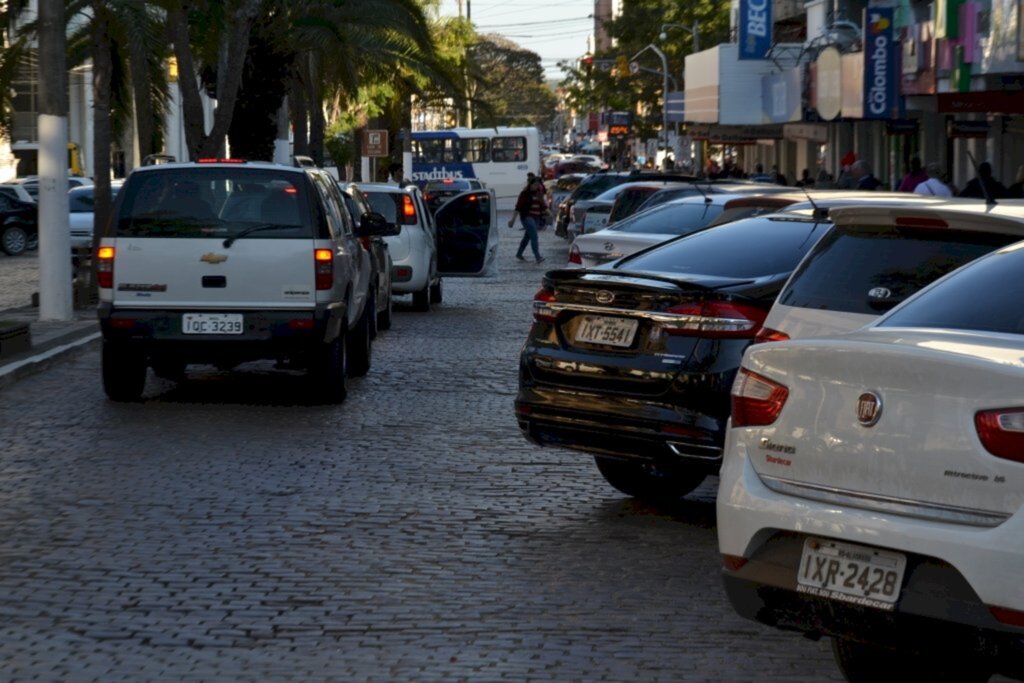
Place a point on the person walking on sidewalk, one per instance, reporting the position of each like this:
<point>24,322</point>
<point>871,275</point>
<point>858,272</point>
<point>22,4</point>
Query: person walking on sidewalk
<point>530,207</point>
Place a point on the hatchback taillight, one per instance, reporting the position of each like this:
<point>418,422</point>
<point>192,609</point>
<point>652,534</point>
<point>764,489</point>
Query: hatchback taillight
<point>715,319</point>
<point>575,256</point>
<point>1002,432</point>
<point>323,264</point>
<point>408,210</point>
<point>767,334</point>
<point>756,400</point>
<point>105,267</point>
<point>542,312</point>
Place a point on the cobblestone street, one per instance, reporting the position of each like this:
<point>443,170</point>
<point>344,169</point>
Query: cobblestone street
<point>227,529</point>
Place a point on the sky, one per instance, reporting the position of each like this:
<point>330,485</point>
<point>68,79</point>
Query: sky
<point>556,30</point>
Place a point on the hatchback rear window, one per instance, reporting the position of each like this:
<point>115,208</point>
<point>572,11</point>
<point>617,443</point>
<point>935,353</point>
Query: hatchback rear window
<point>986,297</point>
<point>396,207</point>
<point>670,219</point>
<point>748,248</point>
<point>869,269</point>
<point>214,202</point>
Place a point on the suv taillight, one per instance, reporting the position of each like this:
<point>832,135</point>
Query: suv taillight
<point>543,313</point>
<point>323,264</point>
<point>718,319</point>
<point>408,211</point>
<point>756,400</point>
<point>767,334</point>
<point>1002,432</point>
<point>105,267</point>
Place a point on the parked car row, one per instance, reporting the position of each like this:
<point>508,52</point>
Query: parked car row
<point>224,261</point>
<point>872,481</point>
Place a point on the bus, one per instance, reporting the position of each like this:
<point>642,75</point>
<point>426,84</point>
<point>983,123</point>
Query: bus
<point>499,157</point>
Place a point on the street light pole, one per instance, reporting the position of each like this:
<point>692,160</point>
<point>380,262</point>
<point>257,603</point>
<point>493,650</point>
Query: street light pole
<point>664,90</point>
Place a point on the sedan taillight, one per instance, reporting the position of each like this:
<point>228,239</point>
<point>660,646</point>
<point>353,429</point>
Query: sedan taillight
<point>718,319</point>
<point>543,313</point>
<point>767,334</point>
<point>575,256</point>
<point>1002,432</point>
<point>756,400</point>
<point>105,267</point>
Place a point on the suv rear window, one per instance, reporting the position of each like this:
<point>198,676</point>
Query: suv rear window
<point>749,248</point>
<point>890,263</point>
<point>392,205</point>
<point>985,297</point>
<point>214,202</point>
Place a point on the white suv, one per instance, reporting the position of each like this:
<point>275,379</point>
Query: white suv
<point>227,262</point>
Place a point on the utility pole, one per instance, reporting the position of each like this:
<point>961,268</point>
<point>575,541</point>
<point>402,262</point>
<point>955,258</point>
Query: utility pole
<point>54,237</point>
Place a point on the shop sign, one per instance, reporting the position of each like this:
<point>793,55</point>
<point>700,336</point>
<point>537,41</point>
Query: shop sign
<point>968,129</point>
<point>812,132</point>
<point>780,96</point>
<point>879,64</point>
<point>755,28</point>
<point>901,127</point>
<point>828,84</point>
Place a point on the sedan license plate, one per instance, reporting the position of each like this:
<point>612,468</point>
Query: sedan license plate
<point>212,323</point>
<point>851,573</point>
<point>610,331</point>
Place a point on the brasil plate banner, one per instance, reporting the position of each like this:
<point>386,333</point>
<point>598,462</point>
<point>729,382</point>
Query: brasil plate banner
<point>881,76</point>
<point>755,28</point>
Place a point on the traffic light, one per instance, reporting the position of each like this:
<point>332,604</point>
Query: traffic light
<point>587,64</point>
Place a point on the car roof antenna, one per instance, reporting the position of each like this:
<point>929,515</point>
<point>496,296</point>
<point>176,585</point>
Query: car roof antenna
<point>989,199</point>
<point>696,186</point>
<point>819,213</point>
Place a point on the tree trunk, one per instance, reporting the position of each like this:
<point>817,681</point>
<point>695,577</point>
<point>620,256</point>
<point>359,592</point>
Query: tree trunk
<point>188,82</point>
<point>101,132</point>
<point>300,118</point>
<point>316,111</point>
<point>143,105</point>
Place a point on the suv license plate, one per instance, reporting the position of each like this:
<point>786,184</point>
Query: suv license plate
<point>851,573</point>
<point>611,331</point>
<point>212,323</point>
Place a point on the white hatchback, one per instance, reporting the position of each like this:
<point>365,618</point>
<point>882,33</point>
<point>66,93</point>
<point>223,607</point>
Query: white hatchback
<point>872,489</point>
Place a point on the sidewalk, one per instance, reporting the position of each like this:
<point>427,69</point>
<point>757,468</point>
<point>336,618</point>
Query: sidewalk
<point>49,341</point>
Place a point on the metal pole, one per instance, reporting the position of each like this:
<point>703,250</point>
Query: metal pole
<point>664,95</point>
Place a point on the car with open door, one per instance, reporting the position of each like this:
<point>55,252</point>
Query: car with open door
<point>380,256</point>
<point>467,234</point>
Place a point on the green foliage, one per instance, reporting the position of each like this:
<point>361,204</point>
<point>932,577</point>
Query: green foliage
<point>509,85</point>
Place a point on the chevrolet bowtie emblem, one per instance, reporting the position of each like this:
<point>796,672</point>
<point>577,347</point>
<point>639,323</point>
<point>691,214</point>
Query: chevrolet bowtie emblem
<point>213,258</point>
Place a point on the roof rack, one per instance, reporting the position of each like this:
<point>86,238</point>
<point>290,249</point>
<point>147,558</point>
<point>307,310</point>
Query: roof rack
<point>157,159</point>
<point>303,161</point>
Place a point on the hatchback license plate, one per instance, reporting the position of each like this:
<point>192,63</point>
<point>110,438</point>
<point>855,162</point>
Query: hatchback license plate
<point>212,323</point>
<point>610,331</point>
<point>851,573</point>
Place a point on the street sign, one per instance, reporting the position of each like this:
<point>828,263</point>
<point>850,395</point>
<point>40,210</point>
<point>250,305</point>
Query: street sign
<point>375,143</point>
<point>634,68</point>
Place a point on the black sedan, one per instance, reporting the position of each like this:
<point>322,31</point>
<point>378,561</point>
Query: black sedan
<point>18,225</point>
<point>633,361</point>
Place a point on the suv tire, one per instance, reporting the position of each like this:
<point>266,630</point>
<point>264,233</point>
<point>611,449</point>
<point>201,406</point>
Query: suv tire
<point>359,346</point>
<point>421,299</point>
<point>649,482</point>
<point>436,294</point>
<point>13,240</point>
<point>328,371</point>
<point>124,372</point>
<point>384,317</point>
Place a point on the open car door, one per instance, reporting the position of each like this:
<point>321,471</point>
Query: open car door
<point>467,234</point>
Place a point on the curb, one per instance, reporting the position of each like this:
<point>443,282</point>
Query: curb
<point>35,361</point>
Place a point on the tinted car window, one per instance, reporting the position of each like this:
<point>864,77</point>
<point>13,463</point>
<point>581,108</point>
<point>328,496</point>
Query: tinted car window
<point>214,202</point>
<point>866,270</point>
<point>385,203</point>
<point>673,219</point>
<point>81,201</point>
<point>986,296</point>
<point>753,247</point>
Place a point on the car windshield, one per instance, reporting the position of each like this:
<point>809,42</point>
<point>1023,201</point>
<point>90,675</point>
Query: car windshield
<point>869,269</point>
<point>83,200</point>
<point>670,219</point>
<point>985,296</point>
<point>214,202</point>
<point>749,248</point>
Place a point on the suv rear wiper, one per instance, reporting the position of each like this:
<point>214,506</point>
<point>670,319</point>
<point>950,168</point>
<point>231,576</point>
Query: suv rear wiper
<point>256,228</point>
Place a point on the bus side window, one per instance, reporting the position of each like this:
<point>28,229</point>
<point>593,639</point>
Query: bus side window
<point>474,150</point>
<point>509,149</point>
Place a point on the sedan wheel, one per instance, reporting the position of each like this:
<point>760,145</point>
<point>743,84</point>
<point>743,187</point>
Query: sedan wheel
<point>436,294</point>
<point>13,240</point>
<point>359,345</point>
<point>384,317</point>
<point>649,482</point>
<point>421,299</point>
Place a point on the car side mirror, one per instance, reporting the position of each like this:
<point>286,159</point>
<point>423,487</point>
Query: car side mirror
<point>373,224</point>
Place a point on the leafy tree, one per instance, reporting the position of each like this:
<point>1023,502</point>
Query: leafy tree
<point>509,85</point>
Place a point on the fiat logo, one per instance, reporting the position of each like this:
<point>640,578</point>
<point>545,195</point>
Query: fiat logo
<point>604,297</point>
<point>869,408</point>
<point>880,293</point>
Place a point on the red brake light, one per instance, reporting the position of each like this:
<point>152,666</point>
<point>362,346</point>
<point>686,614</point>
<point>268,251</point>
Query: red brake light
<point>323,268</point>
<point>408,210</point>
<point>767,334</point>
<point>920,222</point>
<point>575,256</point>
<point>1002,432</point>
<point>717,319</point>
<point>291,190</point>
<point>543,313</point>
<point>105,267</point>
<point>733,562</point>
<point>756,400</point>
<point>214,160</point>
<point>448,181</point>
<point>1008,616</point>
